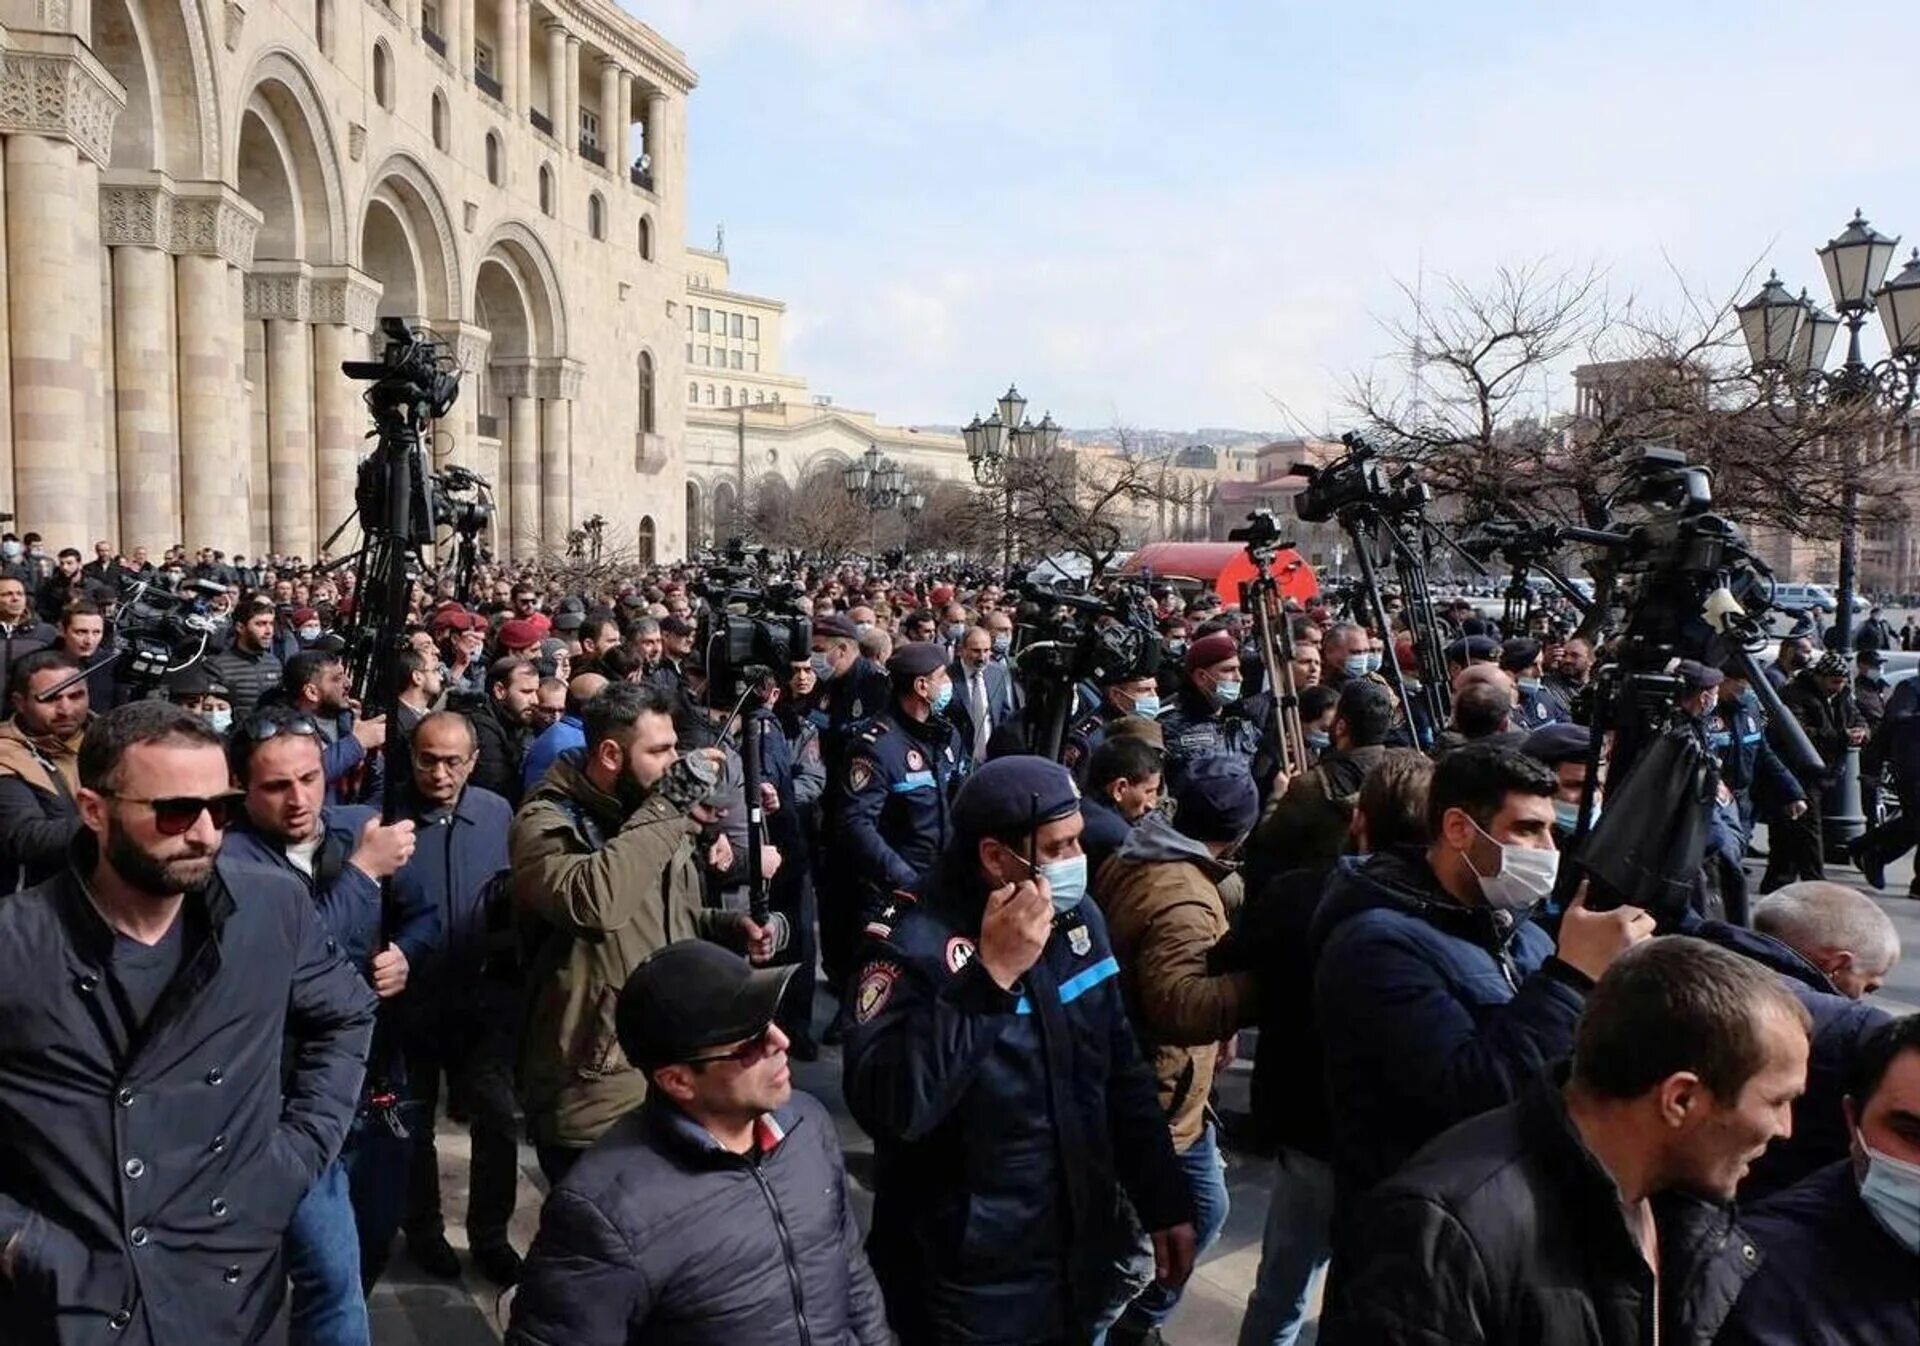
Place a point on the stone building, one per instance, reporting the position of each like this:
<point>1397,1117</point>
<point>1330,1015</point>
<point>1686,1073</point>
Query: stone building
<point>208,207</point>
<point>750,424</point>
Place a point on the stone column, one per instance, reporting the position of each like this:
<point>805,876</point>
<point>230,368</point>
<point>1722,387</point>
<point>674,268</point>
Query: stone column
<point>207,349</point>
<point>523,476</point>
<point>506,56</point>
<point>149,450</point>
<point>253,436</point>
<point>289,437</point>
<point>523,51</point>
<point>454,439</point>
<point>450,16</point>
<point>94,472</point>
<point>7,498</point>
<point>342,304</point>
<point>613,122</point>
<point>557,81</point>
<point>463,54</point>
<point>556,473</point>
<point>622,153</point>
<point>570,128</point>
<point>57,109</point>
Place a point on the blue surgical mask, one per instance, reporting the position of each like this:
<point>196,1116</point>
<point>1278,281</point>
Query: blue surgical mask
<point>1226,693</point>
<point>1891,1190</point>
<point>822,668</point>
<point>1068,880</point>
<point>9,549</point>
<point>1529,684</point>
<point>219,720</point>
<point>1361,664</point>
<point>309,633</point>
<point>1147,707</point>
<point>956,631</point>
<point>943,697</point>
<point>1318,741</point>
<point>1001,644</point>
<point>1566,816</point>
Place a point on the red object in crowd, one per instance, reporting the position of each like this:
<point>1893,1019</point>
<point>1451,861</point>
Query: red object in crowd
<point>519,635</point>
<point>1224,566</point>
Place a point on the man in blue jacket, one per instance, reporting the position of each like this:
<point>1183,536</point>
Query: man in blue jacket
<point>458,1019</point>
<point>1841,1251</point>
<point>1441,998</point>
<point>340,855</point>
<point>991,1060</point>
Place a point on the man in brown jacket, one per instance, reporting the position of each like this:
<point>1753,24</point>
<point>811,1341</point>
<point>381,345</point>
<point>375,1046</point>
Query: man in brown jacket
<point>1161,897</point>
<point>39,767</point>
<point>604,865</point>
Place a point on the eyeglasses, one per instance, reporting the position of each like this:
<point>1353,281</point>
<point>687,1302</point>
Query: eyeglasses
<point>175,814</point>
<point>753,1049</point>
<point>260,730</point>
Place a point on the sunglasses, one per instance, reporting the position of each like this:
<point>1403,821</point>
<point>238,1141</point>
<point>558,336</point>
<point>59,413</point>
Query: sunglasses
<point>259,731</point>
<point>748,1052</point>
<point>175,814</point>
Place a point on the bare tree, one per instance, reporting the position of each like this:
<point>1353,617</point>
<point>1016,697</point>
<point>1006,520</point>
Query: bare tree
<point>1094,505</point>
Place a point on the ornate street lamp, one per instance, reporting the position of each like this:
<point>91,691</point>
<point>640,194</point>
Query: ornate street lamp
<point>878,484</point>
<point>995,448</point>
<point>1788,341</point>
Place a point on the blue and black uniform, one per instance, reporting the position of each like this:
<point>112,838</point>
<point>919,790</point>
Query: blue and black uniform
<point>1196,728</point>
<point>1005,1122</point>
<point>896,793</point>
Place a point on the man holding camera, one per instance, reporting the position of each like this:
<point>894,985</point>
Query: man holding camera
<point>603,859</point>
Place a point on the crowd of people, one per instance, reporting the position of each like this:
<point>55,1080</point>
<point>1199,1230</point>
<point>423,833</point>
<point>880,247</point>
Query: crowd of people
<point>252,955</point>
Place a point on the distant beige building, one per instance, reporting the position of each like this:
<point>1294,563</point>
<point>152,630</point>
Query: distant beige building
<point>208,207</point>
<point>748,422</point>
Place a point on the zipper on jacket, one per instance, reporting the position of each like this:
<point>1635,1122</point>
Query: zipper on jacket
<point>786,1251</point>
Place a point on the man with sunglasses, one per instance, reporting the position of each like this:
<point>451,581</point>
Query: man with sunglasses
<point>145,1183</point>
<point>721,1120</point>
<point>339,854</point>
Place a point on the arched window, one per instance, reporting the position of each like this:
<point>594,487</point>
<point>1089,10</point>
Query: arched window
<point>693,394</point>
<point>646,243</point>
<point>646,393</point>
<point>743,397</point>
<point>493,157</point>
<point>382,76</point>
<point>709,394</point>
<point>726,397</point>
<point>646,540</point>
<point>323,26</point>
<point>546,189</point>
<point>596,215</point>
<point>439,120</point>
<point>758,396</point>
<point>694,536</point>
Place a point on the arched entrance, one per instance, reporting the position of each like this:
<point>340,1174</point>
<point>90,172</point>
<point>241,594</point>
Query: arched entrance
<point>517,299</point>
<point>646,540</point>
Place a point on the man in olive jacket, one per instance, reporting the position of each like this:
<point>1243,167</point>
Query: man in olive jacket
<point>151,1150</point>
<point>604,869</point>
<point>1160,895</point>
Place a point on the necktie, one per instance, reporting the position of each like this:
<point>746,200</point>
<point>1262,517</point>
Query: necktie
<point>981,729</point>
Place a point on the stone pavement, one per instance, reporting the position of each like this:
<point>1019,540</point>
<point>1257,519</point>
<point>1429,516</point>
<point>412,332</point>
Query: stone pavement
<point>410,1309</point>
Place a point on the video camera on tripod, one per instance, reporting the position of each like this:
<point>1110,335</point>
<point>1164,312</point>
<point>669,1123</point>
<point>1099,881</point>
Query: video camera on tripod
<point>158,631</point>
<point>750,632</point>
<point>1070,638</point>
<point>1357,480</point>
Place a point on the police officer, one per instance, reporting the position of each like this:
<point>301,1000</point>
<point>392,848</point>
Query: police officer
<point>856,686</point>
<point>1749,766</point>
<point>991,1061</point>
<point>1533,706</point>
<point>1726,843</point>
<point>1203,721</point>
<point>1132,692</point>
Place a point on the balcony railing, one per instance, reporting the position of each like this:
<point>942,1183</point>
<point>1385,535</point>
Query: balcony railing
<point>592,153</point>
<point>434,40</point>
<point>489,426</point>
<point>488,84</point>
<point>540,120</point>
<point>641,177</point>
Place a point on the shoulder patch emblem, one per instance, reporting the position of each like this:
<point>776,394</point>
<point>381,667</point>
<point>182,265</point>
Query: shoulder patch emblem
<point>876,988</point>
<point>859,774</point>
<point>914,760</point>
<point>1079,940</point>
<point>856,708</point>
<point>959,953</point>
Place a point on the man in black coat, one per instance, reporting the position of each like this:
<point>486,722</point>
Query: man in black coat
<point>1599,1211</point>
<point>718,1211</point>
<point>145,1182</point>
<point>1842,1249</point>
<point>503,724</point>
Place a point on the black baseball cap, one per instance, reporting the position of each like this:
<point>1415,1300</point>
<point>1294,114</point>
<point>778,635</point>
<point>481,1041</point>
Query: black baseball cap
<point>692,996</point>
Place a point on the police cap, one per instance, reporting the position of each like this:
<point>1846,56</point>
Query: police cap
<point>195,681</point>
<point>1009,796</point>
<point>1698,676</point>
<point>836,626</point>
<point>1473,650</point>
<point>1216,799</point>
<point>1557,743</point>
<point>919,659</point>
<point>1518,653</point>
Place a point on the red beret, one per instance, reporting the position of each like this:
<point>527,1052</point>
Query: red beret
<point>519,634</point>
<point>1210,650</point>
<point>301,616</point>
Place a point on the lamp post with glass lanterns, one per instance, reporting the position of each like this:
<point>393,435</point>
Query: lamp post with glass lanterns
<point>876,484</point>
<point>996,449</point>
<point>1787,342</point>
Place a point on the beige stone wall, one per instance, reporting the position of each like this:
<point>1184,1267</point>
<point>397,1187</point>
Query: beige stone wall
<point>207,207</point>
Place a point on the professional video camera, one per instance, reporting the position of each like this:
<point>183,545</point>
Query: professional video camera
<point>749,632</point>
<point>1067,639</point>
<point>157,631</point>
<point>1356,479</point>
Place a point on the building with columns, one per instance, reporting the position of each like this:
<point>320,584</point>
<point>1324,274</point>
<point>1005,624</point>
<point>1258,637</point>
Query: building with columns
<point>207,207</point>
<point>749,423</point>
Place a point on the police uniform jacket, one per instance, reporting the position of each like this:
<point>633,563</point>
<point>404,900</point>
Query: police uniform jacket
<point>1195,728</point>
<point>1737,734</point>
<point>1534,708</point>
<point>860,693</point>
<point>895,796</point>
<point>1005,1124</point>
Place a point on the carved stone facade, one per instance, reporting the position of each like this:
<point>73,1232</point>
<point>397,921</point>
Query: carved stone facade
<point>197,236</point>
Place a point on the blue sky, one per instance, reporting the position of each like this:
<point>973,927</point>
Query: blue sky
<point>1186,214</point>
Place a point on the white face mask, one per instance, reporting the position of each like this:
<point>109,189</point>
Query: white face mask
<point>1892,1192</point>
<point>1524,879</point>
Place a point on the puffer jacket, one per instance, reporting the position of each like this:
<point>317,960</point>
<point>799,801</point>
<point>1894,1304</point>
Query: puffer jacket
<point>38,818</point>
<point>1507,1231</point>
<point>1165,916</point>
<point>604,889</point>
<point>1432,1012</point>
<point>249,676</point>
<point>660,1235</point>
